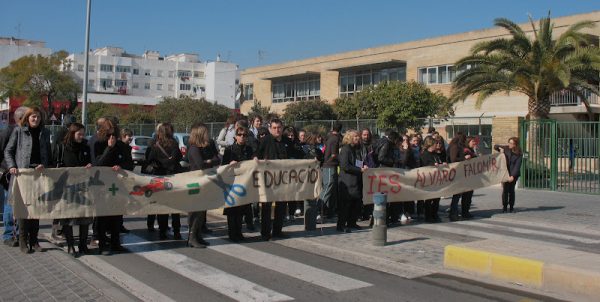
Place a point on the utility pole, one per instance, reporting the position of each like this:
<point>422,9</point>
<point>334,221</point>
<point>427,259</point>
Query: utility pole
<point>86,66</point>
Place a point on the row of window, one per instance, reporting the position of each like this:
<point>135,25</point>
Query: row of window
<point>108,83</point>
<point>352,82</point>
<point>443,74</point>
<point>296,90</point>
<point>146,72</point>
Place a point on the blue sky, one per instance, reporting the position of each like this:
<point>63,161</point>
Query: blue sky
<point>281,30</point>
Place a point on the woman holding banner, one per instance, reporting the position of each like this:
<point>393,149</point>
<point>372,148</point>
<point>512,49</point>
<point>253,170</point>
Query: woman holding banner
<point>165,155</point>
<point>513,155</point>
<point>431,157</point>
<point>29,147</point>
<point>203,154</point>
<point>235,153</point>
<point>74,152</point>
<point>350,182</point>
<point>111,152</point>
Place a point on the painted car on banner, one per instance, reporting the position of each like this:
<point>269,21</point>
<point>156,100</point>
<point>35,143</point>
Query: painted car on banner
<point>156,184</point>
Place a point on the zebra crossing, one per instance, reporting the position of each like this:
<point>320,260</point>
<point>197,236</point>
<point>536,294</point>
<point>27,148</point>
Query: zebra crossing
<point>227,284</point>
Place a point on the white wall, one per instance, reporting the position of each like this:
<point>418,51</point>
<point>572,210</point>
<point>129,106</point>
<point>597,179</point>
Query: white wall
<point>9,53</point>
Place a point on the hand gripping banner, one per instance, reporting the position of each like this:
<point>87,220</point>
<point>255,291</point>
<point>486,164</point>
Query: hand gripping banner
<point>100,191</point>
<point>434,182</point>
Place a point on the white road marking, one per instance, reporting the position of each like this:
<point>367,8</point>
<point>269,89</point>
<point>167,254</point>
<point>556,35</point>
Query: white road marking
<point>288,267</point>
<point>222,282</point>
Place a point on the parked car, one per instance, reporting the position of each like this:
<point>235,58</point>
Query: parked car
<point>139,144</point>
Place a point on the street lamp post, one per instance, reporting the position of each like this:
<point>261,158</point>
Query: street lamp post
<point>86,66</point>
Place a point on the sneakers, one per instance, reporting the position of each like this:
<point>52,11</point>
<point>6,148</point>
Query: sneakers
<point>403,219</point>
<point>298,213</point>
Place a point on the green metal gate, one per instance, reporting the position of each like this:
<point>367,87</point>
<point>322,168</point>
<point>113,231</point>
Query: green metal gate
<point>561,156</point>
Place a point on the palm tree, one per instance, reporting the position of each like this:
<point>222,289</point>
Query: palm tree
<point>535,66</point>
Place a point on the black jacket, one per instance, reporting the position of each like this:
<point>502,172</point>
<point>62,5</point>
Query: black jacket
<point>430,158</point>
<point>167,164</point>
<point>119,154</point>
<point>270,148</point>
<point>197,156</point>
<point>406,159</point>
<point>312,152</point>
<point>385,154</point>
<point>73,155</point>
<point>237,153</point>
<point>350,179</point>
<point>513,161</point>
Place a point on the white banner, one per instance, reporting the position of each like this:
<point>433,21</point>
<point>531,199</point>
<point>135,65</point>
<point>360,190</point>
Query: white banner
<point>434,182</point>
<point>99,191</point>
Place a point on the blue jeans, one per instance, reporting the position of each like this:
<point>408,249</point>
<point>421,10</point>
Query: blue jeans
<point>329,194</point>
<point>10,229</point>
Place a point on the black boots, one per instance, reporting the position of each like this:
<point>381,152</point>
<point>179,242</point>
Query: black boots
<point>83,236</point>
<point>23,246</point>
<point>67,231</point>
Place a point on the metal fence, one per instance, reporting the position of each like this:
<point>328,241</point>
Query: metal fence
<point>447,127</point>
<point>561,156</point>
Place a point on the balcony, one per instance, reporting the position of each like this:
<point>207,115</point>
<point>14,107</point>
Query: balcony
<point>568,98</point>
<point>568,102</point>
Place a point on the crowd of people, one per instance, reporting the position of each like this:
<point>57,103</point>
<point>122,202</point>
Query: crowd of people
<point>344,157</point>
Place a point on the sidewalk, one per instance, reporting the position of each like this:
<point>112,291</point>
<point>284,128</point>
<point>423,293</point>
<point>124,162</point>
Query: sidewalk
<point>52,275</point>
<point>550,246</point>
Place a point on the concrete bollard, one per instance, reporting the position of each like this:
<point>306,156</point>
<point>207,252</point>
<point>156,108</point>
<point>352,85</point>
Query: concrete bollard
<point>310,215</point>
<point>379,230</point>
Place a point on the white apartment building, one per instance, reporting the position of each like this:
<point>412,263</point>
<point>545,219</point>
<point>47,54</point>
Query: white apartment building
<point>12,49</point>
<point>116,77</point>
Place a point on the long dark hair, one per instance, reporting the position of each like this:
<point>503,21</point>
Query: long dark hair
<point>517,148</point>
<point>69,139</point>
<point>164,135</point>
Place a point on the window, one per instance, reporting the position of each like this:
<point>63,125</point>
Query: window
<point>159,73</point>
<point>146,85</point>
<point>106,67</point>
<point>121,68</point>
<point>105,83</point>
<point>355,81</point>
<point>248,92</point>
<point>171,87</point>
<point>79,67</point>
<point>198,74</point>
<point>147,72</point>
<point>171,73</point>
<point>292,90</point>
<point>136,71</point>
<point>91,68</point>
<point>159,86</point>
<point>185,86</point>
<point>136,85</point>
<point>184,73</point>
<point>442,74</point>
<point>121,83</point>
<point>91,84</point>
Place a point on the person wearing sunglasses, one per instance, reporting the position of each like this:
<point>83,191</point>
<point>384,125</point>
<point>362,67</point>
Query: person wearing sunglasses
<point>239,151</point>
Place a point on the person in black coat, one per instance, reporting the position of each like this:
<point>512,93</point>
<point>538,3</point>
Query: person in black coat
<point>514,156</point>
<point>73,151</point>
<point>467,197</point>
<point>456,153</point>
<point>430,156</point>
<point>233,154</point>
<point>165,155</point>
<point>110,151</point>
<point>202,154</point>
<point>272,147</point>
<point>350,182</point>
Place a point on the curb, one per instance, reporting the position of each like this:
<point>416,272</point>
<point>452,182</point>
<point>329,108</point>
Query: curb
<point>527,272</point>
